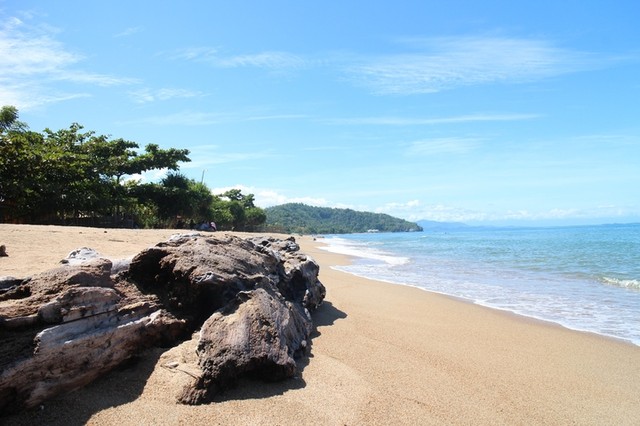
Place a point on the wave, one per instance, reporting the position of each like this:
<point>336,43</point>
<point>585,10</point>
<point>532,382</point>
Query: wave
<point>622,283</point>
<point>363,251</point>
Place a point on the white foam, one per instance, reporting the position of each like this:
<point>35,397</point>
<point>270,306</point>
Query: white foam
<point>362,250</point>
<point>615,282</point>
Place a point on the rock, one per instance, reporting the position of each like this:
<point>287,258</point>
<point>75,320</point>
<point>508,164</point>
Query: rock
<point>249,299</point>
<point>258,335</point>
<point>80,256</point>
<point>3,251</point>
<point>85,255</point>
<point>63,328</point>
<point>7,282</point>
<point>253,296</point>
<point>194,276</point>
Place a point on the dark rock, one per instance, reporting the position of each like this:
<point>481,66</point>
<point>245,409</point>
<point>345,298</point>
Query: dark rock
<point>258,334</point>
<point>194,276</point>
<point>250,299</point>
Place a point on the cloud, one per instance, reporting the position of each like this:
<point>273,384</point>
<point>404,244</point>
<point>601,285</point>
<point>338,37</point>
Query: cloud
<point>199,118</point>
<point>409,121</point>
<point>415,210</point>
<point>147,95</point>
<point>447,63</point>
<point>31,52</point>
<point>205,156</point>
<point>453,145</point>
<point>395,206</point>
<point>268,197</point>
<point>182,118</point>
<point>128,32</point>
<point>94,79</point>
<point>33,62</point>
<point>269,59</point>
<point>27,96</point>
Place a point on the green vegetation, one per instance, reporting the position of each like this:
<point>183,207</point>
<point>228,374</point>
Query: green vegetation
<point>303,219</point>
<point>76,177</point>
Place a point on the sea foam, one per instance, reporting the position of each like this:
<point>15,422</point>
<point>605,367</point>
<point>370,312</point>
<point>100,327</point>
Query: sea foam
<point>545,273</point>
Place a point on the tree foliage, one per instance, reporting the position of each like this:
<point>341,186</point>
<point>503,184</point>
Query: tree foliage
<point>73,176</point>
<point>236,211</point>
<point>304,219</point>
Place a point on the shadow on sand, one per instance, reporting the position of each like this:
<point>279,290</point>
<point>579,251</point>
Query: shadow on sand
<point>120,386</point>
<point>126,384</point>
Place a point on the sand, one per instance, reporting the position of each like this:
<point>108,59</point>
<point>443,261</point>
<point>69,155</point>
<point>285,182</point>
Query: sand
<point>381,354</point>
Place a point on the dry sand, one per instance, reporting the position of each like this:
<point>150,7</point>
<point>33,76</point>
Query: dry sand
<point>382,354</point>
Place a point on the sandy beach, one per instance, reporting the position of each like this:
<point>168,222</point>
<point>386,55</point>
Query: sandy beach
<point>382,354</point>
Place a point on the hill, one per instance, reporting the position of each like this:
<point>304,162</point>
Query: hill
<point>303,219</point>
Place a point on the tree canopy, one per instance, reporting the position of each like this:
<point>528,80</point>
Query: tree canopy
<point>76,176</point>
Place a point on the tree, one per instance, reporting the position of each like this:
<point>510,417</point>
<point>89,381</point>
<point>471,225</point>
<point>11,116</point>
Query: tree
<point>255,217</point>
<point>176,199</point>
<point>237,211</point>
<point>48,177</point>
<point>9,120</point>
<point>75,186</point>
<point>19,152</point>
<point>113,159</point>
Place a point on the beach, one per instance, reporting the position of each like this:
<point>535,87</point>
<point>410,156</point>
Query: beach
<point>381,354</point>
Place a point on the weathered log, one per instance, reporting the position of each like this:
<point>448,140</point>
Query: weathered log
<point>258,334</point>
<point>65,327</point>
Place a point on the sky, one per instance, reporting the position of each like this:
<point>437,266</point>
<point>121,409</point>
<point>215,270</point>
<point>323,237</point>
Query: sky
<point>483,112</point>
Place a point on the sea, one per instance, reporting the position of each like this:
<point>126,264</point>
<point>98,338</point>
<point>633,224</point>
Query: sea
<point>584,278</point>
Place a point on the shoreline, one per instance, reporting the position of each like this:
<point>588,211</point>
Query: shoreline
<point>507,312</point>
<point>381,354</point>
<point>354,257</point>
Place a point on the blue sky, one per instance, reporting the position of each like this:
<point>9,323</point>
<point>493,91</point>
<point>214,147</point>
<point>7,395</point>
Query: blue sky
<point>498,112</point>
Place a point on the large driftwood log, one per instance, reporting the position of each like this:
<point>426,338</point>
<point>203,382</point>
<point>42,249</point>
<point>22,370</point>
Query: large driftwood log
<point>258,334</point>
<point>63,328</point>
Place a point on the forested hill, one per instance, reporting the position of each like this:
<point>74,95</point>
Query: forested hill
<point>304,219</point>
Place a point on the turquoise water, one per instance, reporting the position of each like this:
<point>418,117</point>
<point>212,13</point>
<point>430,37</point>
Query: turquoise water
<point>585,278</point>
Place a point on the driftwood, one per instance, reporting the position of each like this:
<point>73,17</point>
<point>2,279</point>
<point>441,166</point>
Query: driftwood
<point>250,299</point>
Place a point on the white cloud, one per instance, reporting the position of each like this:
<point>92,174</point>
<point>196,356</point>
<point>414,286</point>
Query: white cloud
<point>263,60</point>
<point>25,51</point>
<point>408,121</point>
<point>446,63</point>
<point>83,77</point>
<point>268,59</point>
<point>148,176</point>
<point>33,62</point>
<point>415,210</point>
<point>206,156</point>
<point>182,118</point>
<point>453,145</point>
<point>128,32</point>
<point>147,95</point>
<point>200,118</point>
<point>26,96</point>
<point>268,197</point>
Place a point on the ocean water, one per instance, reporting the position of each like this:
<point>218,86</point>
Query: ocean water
<point>585,278</point>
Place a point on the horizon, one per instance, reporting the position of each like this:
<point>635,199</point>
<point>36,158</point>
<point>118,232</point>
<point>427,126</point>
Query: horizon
<point>491,113</point>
